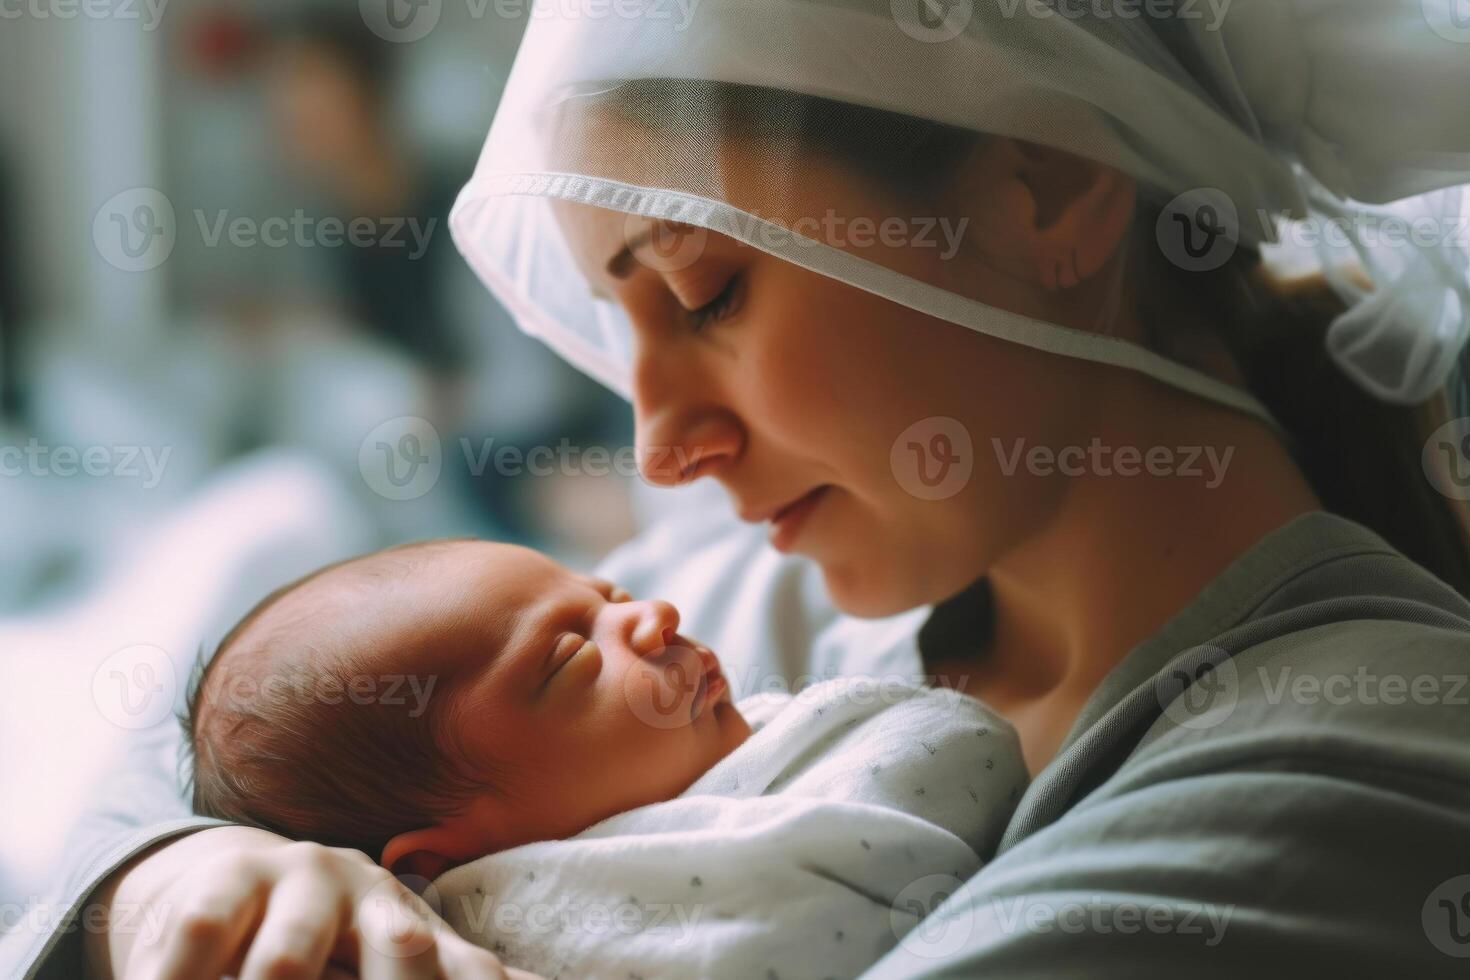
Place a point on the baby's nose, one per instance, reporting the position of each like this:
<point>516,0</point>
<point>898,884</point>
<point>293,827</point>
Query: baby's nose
<point>655,627</point>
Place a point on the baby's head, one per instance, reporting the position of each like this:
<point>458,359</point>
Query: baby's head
<point>436,702</point>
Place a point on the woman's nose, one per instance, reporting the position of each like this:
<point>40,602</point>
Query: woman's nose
<point>672,452</point>
<point>652,625</point>
<point>681,435</point>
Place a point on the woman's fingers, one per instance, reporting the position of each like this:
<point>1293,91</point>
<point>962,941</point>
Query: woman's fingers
<point>397,933</point>
<point>461,960</point>
<point>266,907</point>
<point>207,928</point>
<point>302,918</point>
<point>401,935</point>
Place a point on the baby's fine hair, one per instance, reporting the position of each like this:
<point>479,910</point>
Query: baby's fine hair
<point>278,742</point>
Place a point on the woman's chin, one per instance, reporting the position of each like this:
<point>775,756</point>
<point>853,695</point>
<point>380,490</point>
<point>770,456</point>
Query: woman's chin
<point>879,583</point>
<point>866,589</point>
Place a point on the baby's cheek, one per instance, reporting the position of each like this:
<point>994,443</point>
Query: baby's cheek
<point>657,693</point>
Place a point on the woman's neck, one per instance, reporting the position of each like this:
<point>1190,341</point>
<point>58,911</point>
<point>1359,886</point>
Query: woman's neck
<point>1119,556</point>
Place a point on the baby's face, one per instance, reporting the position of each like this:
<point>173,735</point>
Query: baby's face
<point>583,701</point>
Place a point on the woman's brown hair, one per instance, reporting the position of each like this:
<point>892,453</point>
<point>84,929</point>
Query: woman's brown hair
<point>1363,457</point>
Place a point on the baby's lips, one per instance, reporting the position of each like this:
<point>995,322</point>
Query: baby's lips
<point>713,672</point>
<point>719,687</point>
<point>714,676</point>
<point>706,655</point>
<point>709,663</point>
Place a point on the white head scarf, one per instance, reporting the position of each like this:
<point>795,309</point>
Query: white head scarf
<point>1239,117</point>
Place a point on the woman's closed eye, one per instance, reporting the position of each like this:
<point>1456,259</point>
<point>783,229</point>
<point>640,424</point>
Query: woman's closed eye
<point>717,309</point>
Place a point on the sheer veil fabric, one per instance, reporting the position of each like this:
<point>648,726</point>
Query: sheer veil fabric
<point>1334,126</point>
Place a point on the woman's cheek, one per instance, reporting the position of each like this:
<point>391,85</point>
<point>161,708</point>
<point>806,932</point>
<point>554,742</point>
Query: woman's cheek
<point>796,381</point>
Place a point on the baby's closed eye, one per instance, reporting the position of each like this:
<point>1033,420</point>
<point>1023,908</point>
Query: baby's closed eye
<point>611,592</point>
<point>572,650</point>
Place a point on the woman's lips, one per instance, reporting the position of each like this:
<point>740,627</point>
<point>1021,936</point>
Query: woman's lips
<point>788,522</point>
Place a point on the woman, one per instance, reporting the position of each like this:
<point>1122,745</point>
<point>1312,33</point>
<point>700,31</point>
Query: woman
<point>945,303</point>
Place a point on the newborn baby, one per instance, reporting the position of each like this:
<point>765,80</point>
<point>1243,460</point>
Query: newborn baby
<point>544,745</point>
<point>439,701</point>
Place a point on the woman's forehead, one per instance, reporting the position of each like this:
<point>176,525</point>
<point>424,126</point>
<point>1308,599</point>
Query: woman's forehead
<point>600,144</point>
<point>594,236</point>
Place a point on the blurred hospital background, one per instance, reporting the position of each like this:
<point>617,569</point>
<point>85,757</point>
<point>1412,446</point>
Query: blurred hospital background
<point>237,342</point>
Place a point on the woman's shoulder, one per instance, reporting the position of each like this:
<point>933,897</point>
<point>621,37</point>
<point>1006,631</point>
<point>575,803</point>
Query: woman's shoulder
<point>1322,654</point>
<point>1305,798</point>
<point>1350,694</point>
<point>1338,643</point>
<point>1350,710</point>
<point>1353,651</point>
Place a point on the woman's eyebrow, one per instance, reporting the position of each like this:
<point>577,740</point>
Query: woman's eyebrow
<point>617,267</point>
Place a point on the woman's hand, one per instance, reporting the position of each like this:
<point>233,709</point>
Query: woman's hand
<point>242,901</point>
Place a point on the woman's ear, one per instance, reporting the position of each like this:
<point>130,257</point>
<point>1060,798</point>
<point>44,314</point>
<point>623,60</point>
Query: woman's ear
<point>1047,216</point>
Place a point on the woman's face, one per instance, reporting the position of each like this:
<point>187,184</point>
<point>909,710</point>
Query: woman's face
<point>877,438</point>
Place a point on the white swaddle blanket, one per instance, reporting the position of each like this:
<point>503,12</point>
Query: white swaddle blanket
<point>852,810</point>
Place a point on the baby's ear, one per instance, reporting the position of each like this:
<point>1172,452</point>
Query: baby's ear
<point>422,853</point>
